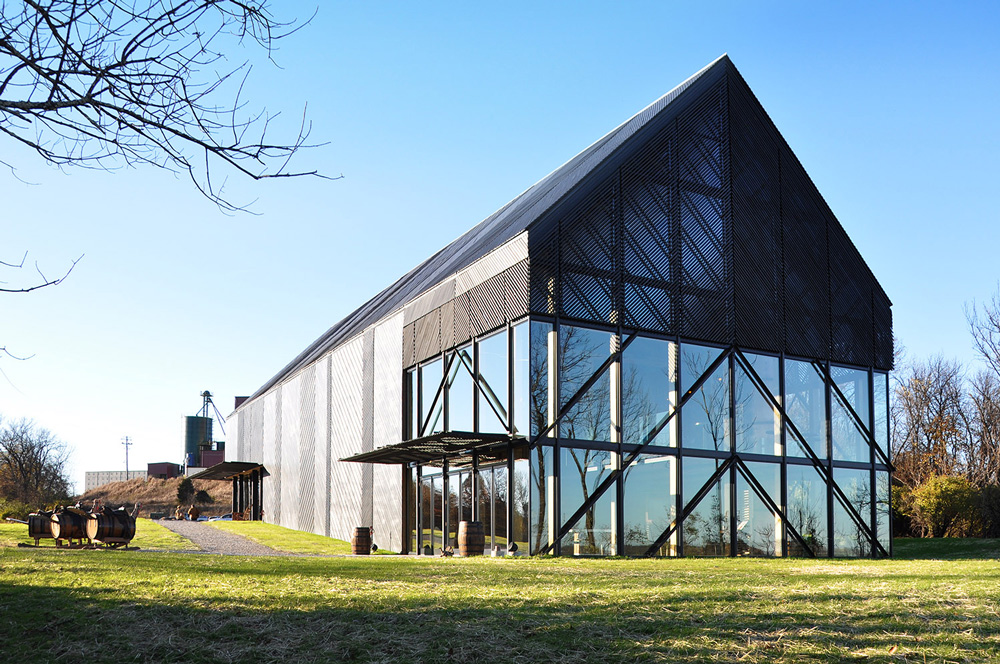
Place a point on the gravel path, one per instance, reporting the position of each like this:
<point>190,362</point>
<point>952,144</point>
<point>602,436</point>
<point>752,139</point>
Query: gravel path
<point>213,540</point>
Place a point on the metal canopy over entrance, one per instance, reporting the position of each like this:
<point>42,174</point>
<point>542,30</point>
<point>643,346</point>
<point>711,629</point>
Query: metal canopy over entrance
<point>455,446</point>
<point>247,478</point>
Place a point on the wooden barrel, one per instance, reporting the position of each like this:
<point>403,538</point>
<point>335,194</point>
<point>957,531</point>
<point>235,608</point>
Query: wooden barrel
<point>471,540</point>
<point>111,526</point>
<point>70,524</point>
<point>361,541</point>
<point>39,525</point>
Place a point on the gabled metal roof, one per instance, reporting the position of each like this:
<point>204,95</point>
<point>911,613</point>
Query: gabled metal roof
<point>526,209</point>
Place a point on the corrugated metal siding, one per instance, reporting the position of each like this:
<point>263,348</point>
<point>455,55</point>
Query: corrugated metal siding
<point>345,437</point>
<point>321,460</point>
<point>307,450</point>
<point>271,455</point>
<point>388,391</point>
<point>291,480</point>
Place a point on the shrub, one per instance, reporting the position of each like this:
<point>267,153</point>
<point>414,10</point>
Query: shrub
<point>14,509</point>
<point>185,491</point>
<point>203,497</point>
<point>945,506</point>
<point>902,510</point>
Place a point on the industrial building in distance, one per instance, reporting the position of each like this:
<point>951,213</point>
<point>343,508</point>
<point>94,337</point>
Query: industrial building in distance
<point>668,346</point>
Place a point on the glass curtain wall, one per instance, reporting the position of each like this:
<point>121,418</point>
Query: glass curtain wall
<point>648,446</point>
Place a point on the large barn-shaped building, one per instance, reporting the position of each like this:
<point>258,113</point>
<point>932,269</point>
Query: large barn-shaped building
<point>668,346</point>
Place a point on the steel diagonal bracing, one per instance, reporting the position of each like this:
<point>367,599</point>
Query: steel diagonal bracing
<point>824,471</point>
<point>690,507</point>
<point>634,454</point>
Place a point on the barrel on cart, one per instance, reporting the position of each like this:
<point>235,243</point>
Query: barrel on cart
<point>111,527</point>
<point>39,526</point>
<point>70,524</point>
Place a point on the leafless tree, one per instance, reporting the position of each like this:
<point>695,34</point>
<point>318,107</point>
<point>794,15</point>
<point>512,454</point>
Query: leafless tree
<point>982,459</point>
<point>32,464</point>
<point>984,324</point>
<point>113,83</point>
<point>931,425</point>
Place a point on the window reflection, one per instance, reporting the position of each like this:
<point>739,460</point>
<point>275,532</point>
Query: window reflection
<point>705,417</point>
<point>849,539</point>
<point>522,379</point>
<point>460,391</point>
<point>706,528</point>
<point>493,383</point>
<point>581,353</point>
<point>431,405</point>
<point>758,422</point>
<point>881,404</point>
<point>649,396</point>
<point>758,529</point>
<point>805,405</point>
<point>806,509</point>
<point>650,504</point>
<point>849,414</point>
<point>538,377</point>
<point>582,472</point>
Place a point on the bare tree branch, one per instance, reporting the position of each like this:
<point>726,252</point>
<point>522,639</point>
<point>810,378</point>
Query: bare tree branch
<point>114,83</point>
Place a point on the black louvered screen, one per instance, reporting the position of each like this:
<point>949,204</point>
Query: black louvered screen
<point>649,194</point>
<point>703,182</point>
<point>807,308</point>
<point>709,228</point>
<point>882,319</point>
<point>850,302</point>
<point>757,242</point>
<point>588,242</point>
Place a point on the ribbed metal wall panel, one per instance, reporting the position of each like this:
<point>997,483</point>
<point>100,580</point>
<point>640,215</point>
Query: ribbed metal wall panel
<point>271,455</point>
<point>499,260</point>
<point>387,518</point>
<point>307,450</point>
<point>321,458</point>
<point>256,437</point>
<point>345,437</point>
<point>291,479</point>
<point>387,429</point>
<point>428,335</point>
<point>367,422</point>
<point>238,432</point>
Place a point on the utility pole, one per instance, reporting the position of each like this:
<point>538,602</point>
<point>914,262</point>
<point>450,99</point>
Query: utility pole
<point>127,442</point>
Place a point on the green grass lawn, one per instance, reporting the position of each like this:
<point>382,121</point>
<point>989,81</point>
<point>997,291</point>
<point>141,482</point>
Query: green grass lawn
<point>286,539</point>
<point>169,607</point>
<point>148,535</point>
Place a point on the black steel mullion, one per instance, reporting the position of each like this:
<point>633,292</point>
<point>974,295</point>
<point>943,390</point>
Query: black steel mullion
<point>784,462</point>
<point>690,507</point>
<point>732,445</point>
<point>827,379</point>
<point>873,444</point>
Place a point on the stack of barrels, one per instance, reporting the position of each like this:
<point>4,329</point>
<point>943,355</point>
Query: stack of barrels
<point>74,525</point>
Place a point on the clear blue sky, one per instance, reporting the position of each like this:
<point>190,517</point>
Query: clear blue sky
<point>437,115</point>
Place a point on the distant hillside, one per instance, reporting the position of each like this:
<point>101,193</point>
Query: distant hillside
<point>158,495</point>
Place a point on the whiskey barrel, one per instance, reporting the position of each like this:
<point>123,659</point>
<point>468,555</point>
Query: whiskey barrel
<point>111,525</point>
<point>39,525</point>
<point>70,524</point>
<point>361,541</point>
<point>471,540</point>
